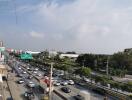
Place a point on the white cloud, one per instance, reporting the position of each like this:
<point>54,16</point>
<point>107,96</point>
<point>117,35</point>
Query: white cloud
<point>36,34</point>
<point>86,25</point>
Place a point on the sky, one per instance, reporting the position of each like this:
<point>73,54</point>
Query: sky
<point>84,26</point>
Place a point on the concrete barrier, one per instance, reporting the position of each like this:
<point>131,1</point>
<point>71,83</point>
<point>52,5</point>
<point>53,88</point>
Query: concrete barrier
<point>60,95</point>
<point>9,89</point>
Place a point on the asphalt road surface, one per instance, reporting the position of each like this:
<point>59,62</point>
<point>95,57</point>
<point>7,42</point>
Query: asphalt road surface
<point>75,89</point>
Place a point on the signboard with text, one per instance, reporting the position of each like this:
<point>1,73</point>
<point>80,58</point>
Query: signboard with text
<point>26,56</point>
<point>2,49</point>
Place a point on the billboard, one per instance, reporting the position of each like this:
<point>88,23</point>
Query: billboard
<point>2,49</point>
<point>26,56</point>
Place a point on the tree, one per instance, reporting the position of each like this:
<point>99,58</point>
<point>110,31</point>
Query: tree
<point>63,67</point>
<point>118,60</point>
<point>57,58</point>
<point>86,60</point>
<point>102,79</point>
<point>121,62</point>
<point>83,71</point>
<point>94,61</point>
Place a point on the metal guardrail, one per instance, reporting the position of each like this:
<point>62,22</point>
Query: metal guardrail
<point>109,92</point>
<point>9,90</point>
<point>60,95</point>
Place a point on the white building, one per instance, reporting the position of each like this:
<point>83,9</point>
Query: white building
<point>52,53</point>
<point>73,56</point>
<point>31,52</point>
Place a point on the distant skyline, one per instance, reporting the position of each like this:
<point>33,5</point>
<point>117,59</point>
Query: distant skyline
<point>92,26</point>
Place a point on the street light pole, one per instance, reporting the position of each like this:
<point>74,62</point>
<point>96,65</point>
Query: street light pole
<point>107,67</point>
<point>83,61</point>
<point>50,84</point>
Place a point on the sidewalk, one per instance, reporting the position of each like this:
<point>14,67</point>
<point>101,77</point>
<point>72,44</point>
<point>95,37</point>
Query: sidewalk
<point>14,88</point>
<point>6,91</point>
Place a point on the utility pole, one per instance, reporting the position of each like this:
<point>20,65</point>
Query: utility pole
<point>50,84</point>
<point>83,62</point>
<point>107,67</point>
<point>95,64</point>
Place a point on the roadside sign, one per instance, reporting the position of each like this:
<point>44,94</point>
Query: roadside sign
<point>2,49</point>
<point>26,56</point>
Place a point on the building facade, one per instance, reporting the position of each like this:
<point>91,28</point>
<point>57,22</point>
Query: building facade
<point>3,68</point>
<point>2,49</point>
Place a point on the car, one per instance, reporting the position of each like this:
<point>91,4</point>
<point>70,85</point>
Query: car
<point>70,82</point>
<point>20,81</point>
<point>36,69</point>
<point>86,79</point>
<point>24,72</point>
<point>39,74</point>
<point>19,68</point>
<point>46,74</point>
<point>57,83</point>
<point>64,83</point>
<point>28,68</point>
<point>19,75</point>
<point>9,98</point>
<point>31,84</point>
<point>29,95</point>
<point>55,79</point>
<point>54,75</point>
<point>79,97</point>
<point>66,89</point>
<point>30,77</point>
<point>44,69</point>
<point>34,72</point>
<point>60,73</point>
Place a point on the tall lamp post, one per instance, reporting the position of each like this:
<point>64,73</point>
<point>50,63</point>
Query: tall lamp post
<point>50,84</point>
<point>107,67</point>
<point>83,62</point>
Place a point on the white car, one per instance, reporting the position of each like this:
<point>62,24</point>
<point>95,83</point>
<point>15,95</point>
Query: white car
<point>71,82</point>
<point>24,72</point>
<point>28,68</point>
<point>39,74</point>
<point>19,68</point>
<point>34,72</point>
<point>57,84</point>
<point>64,83</point>
<point>20,81</point>
<point>31,84</point>
<point>93,81</point>
<point>86,80</point>
<point>36,69</point>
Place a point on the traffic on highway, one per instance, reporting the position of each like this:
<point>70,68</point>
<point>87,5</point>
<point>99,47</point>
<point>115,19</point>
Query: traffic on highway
<point>28,78</point>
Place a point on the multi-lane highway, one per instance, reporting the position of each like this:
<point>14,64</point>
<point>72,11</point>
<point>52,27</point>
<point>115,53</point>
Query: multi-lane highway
<point>20,89</point>
<point>22,69</point>
<point>75,89</point>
